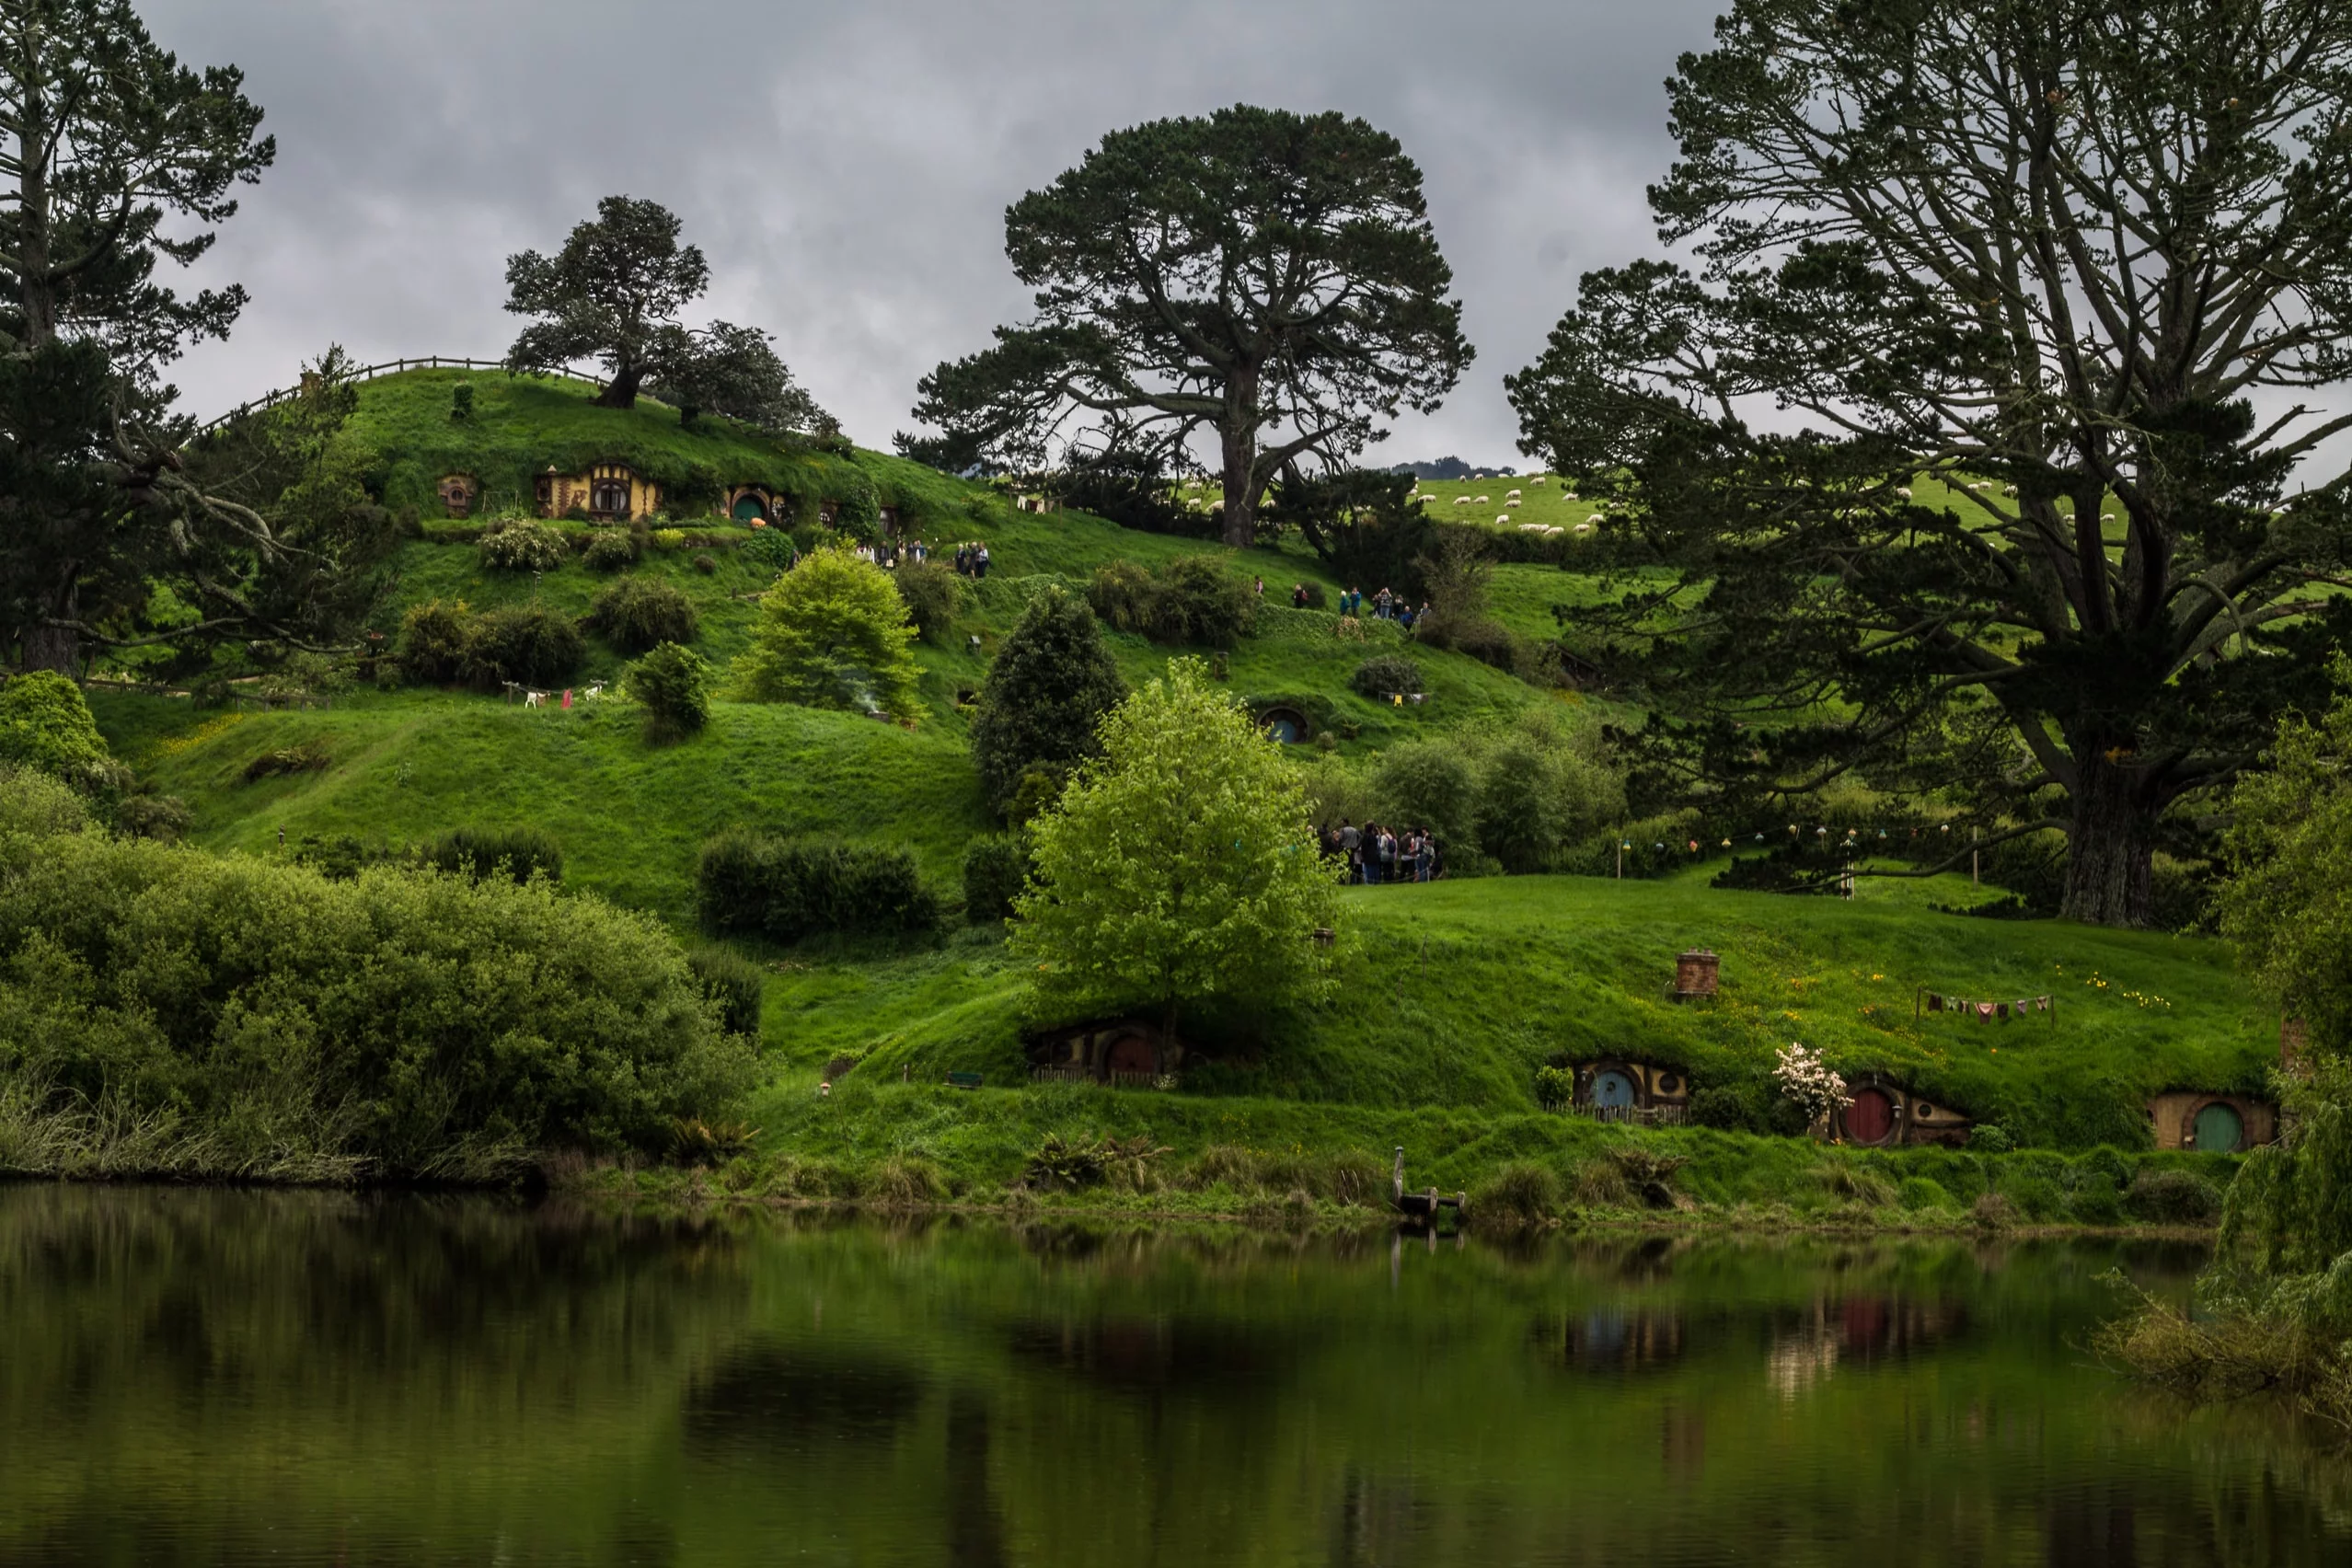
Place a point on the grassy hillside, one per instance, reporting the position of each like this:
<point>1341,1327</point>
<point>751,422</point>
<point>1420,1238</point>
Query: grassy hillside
<point>1453,994</point>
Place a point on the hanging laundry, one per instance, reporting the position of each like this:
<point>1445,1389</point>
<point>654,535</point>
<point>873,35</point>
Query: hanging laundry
<point>1935,1003</point>
<point>1984,1012</point>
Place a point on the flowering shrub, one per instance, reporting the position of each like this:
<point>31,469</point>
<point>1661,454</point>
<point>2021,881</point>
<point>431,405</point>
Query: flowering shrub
<point>1807,1083</point>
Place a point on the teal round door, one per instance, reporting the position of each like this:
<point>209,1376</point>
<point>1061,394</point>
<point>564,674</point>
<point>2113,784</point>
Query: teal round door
<point>1612,1090</point>
<point>750,508</point>
<point>2218,1129</point>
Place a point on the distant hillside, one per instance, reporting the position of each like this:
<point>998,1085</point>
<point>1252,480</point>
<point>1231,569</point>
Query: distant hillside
<point>1449,468</point>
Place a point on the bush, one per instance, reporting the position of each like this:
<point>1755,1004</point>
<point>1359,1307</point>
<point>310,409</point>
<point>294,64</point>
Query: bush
<point>524,546</point>
<point>1124,594</point>
<point>1991,1137</point>
<point>636,614</point>
<point>995,869</point>
<point>1377,678</point>
<point>1555,1087</point>
<point>1430,784</point>
<point>1190,599</point>
<point>2096,1200</point>
<point>527,644</point>
<point>45,725</point>
<point>2174,1197</point>
<point>857,513</point>
<point>397,1024</point>
<point>771,547</point>
<point>1200,602</point>
<point>933,595</point>
<point>674,684</point>
<point>1925,1193</point>
<point>1738,1108</point>
<point>2036,1196</point>
<point>461,401</point>
<point>788,889</point>
<point>734,983</point>
<point>434,642</point>
<point>705,564</point>
<point>610,550</point>
<point>1521,1196</point>
<point>517,853</point>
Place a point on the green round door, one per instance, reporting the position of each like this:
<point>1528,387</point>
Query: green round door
<point>750,508</point>
<point>2218,1130</point>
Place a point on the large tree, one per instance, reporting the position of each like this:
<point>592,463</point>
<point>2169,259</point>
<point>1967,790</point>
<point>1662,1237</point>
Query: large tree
<point>2071,259</point>
<point>114,157</point>
<point>1047,693</point>
<point>611,295</point>
<point>734,372</point>
<point>1267,278</point>
<point>1180,868</point>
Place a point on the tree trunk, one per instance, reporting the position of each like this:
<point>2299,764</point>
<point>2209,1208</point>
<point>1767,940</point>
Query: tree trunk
<point>620,392</point>
<point>2110,861</point>
<point>52,648</point>
<point>1238,434</point>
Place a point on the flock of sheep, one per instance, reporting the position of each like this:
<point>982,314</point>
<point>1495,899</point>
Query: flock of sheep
<point>1517,498</point>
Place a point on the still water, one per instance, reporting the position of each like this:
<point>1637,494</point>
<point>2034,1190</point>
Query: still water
<point>234,1378</point>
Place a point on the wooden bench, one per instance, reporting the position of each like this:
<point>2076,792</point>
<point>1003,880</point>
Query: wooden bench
<point>964,1080</point>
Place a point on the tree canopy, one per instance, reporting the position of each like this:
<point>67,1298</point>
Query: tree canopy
<point>1047,690</point>
<point>2070,260</point>
<point>735,373</point>
<point>1180,867</point>
<point>1264,278</point>
<point>833,633</point>
<point>114,159</point>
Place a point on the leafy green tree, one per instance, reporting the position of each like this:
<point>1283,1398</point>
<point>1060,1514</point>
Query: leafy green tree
<point>1046,694</point>
<point>118,158</point>
<point>1180,866</point>
<point>734,372</point>
<point>674,684</point>
<point>1264,278</point>
<point>831,633</point>
<point>2046,253</point>
<point>611,295</point>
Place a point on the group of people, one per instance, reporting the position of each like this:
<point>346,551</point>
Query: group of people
<point>1386,605</point>
<point>972,560</point>
<point>1374,854</point>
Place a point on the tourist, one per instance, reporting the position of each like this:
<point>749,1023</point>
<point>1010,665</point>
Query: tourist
<point>1425,858</point>
<point>1371,854</point>
<point>1382,604</point>
<point>1298,596</point>
<point>1405,618</point>
<point>1259,588</point>
<point>1351,846</point>
<point>980,562</point>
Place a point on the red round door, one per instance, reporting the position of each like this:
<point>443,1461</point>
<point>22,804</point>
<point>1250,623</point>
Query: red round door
<point>1132,1054</point>
<point>1871,1117</point>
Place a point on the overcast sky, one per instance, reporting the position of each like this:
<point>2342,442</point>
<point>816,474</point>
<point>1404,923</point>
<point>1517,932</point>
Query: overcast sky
<point>846,167</point>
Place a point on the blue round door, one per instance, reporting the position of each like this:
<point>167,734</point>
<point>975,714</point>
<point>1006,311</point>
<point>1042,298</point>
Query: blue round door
<point>1284,729</point>
<point>1612,1090</point>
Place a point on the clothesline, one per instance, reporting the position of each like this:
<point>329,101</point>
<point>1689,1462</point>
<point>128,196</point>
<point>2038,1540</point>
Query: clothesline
<point>1925,1001</point>
<point>1852,840</point>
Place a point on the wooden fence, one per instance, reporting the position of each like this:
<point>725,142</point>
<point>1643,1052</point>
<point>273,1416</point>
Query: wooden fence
<point>1637,1116</point>
<point>389,367</point>
<point>1064,1074</point>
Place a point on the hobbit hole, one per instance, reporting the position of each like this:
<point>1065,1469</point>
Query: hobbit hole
<point>458,493</point>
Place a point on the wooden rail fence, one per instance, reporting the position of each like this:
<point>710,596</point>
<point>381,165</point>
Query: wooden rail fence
<point>373,372</point>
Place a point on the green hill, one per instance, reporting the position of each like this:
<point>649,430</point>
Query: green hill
<point>1455,993</point>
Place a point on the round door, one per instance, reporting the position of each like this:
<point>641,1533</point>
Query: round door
<point>1612,1090</point>
<point>2218,1129</point>
<point>1871,1117</point>
<point>750,509</point>
<point>1132,1054</point>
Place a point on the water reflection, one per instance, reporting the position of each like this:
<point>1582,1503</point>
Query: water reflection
<point>221,1377</point>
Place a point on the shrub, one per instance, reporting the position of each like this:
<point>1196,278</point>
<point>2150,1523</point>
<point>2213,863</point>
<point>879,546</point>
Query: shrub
<point>771,547</point>
<point>674,684</point>
<point>635,614</point>
<point>995,869</point>
<point>1925,1193</point>
<point>908,1181</point>
<point>396,1024</point>
<point>1124,594</point>
<point>1648,1175</point>
<point>833,633</point>
<point>1377,678</point>
<point>35,805</point>
<point>1521,1194</point>
<point>933,595</point>
<point>610,550</point>
<point>433,644</point>
<point>306,756</point>
<point>1224,1165</point>
<point>706,563</point>
<point>1991,1137</point>
<point>517,853</point>
<point>1555,1087</point>
<point>1316,598</point>
<point>2096,1200</point>
<point>528,644</point>
<point>790,888</point>
<point>2174,1197</point>
<point>2037,1197</point>
<point>734,983</point>
<point>1200,602</point>
<point>1739,1108</point>
<point>857,511</point>
<point>1430,784</point>
<point>1356,1178</point>
<point>524,546</point>
<point>461,401</point>
<point>164,818</point>
<point>45,725</point>
<point>1047,690</point>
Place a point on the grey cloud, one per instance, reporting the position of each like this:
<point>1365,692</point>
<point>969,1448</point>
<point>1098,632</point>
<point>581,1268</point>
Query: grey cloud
<point>848,167</point>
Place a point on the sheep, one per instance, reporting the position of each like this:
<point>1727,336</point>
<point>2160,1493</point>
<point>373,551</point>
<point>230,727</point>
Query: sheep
<point>1977,486</point>
<point>1513,499</point>
<point>1530,527</point>
<point>1596,517</point>
<point>1554,529</point>
<point>1486,501</point>
<point>1461,501</point>
<point>1584,527</point>
<point>1541,480</point>
<point>2107,517</point>
<point>2009,490</point>
<point>594,692</point>
<point>1505,517</point>
<point>1903,490</point>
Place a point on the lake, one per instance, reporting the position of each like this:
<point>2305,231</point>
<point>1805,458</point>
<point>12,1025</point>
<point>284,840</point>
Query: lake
<point>199,1376</point>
